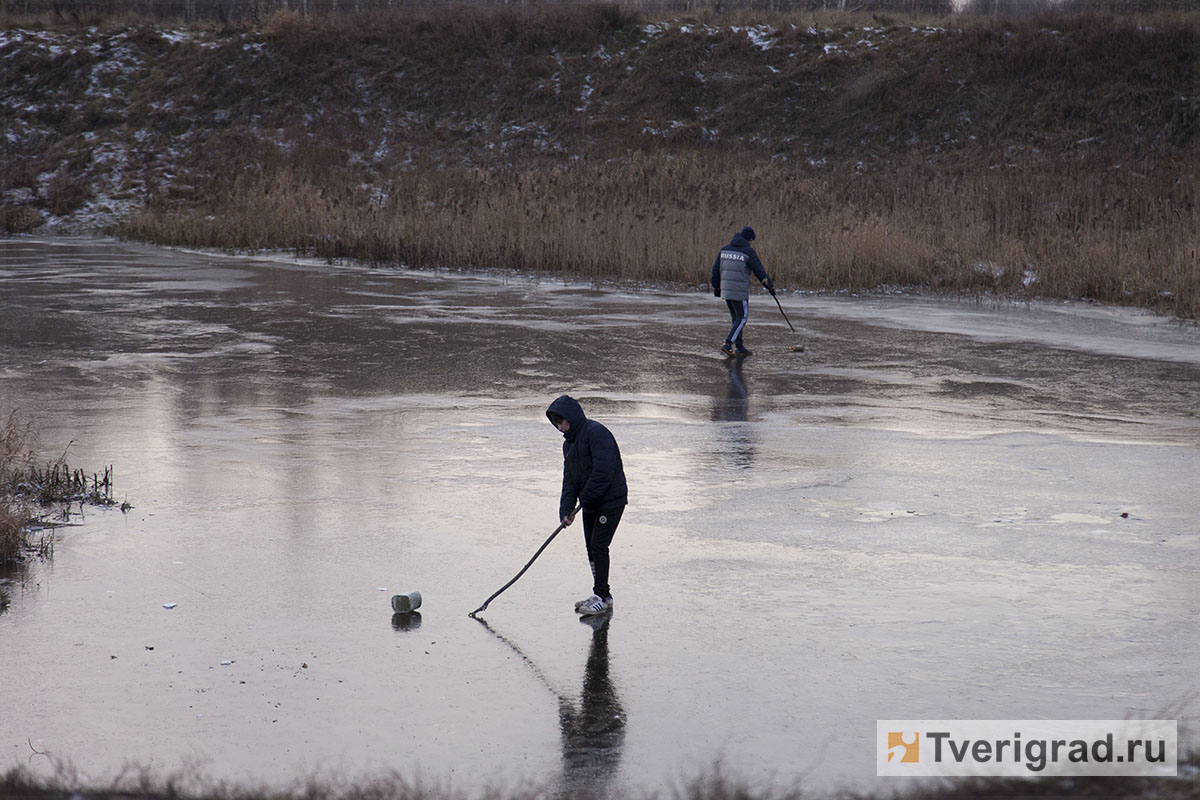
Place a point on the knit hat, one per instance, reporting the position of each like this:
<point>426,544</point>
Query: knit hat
<point>747,233</point>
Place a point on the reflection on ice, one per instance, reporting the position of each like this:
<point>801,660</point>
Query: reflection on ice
<point>736,439</point>
<point>592,727</point>
<point>406,620</point>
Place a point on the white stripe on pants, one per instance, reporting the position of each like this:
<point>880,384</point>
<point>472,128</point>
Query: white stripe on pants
<point>739,324</point>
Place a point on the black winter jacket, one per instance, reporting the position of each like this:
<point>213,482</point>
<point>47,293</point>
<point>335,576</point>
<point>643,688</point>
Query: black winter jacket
<point>593,474</point>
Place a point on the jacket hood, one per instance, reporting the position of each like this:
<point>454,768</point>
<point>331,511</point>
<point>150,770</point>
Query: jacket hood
<point>568,407</point>
<point>738,241</point>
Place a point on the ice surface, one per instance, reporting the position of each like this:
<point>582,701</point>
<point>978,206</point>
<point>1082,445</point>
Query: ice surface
<point>938,510</point>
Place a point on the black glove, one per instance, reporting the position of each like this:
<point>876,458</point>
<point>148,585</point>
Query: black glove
<point>770,284</point>
<point>716,291</point>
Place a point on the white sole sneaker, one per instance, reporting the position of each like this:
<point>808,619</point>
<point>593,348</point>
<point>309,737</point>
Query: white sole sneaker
<point>595,606</point>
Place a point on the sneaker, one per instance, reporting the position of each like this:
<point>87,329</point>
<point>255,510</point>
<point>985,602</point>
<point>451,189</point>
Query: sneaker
<point>581,603</point>
<point>727,349</point>
<point>595,605</point>
<point>742,351</point>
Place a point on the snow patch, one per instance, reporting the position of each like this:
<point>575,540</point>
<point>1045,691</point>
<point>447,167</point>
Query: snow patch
<point>585,94</point>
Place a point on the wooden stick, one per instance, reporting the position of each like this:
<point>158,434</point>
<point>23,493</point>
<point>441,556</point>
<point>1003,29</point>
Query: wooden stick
<point>522,572</point>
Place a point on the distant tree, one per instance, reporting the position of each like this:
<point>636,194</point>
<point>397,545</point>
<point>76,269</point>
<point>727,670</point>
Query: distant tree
<point>1018,8</point>
<point>260,9</point>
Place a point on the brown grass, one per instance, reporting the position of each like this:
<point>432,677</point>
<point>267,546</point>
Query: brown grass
<point>12,538</point>
<point>1039,230</point>
<point>15,511</point>
<point>20,784</point>
<point>65,192</point>
<point>1052,155</point>
<point>31,494</point>
<point>20,219</point>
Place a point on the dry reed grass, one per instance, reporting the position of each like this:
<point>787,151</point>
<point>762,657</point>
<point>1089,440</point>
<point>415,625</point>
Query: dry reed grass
<point>30,494</point>
<point>20,219</point>
<point>12,537</point>
<point>713,784</point>
<point>1042,229</point>
<point>15,511</point>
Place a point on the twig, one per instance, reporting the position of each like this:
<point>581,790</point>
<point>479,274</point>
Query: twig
<point>36,752</point>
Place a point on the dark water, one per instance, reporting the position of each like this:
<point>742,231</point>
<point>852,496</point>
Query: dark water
<point>937,510</point>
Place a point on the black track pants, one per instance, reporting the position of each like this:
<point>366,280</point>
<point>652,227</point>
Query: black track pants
<point>739,315</point>
<point>598,530</point>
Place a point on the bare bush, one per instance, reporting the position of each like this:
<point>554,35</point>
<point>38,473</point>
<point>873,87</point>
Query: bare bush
<point>65,192</point>
<point>20,218</point>
<point>32,494</point>
<point>15,512</point>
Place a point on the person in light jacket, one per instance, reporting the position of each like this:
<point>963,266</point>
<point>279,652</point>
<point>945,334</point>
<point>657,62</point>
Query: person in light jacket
<point>593,478</point>
<point>731,281</point>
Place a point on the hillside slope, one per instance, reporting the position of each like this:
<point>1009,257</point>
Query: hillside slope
<point>102,121</point>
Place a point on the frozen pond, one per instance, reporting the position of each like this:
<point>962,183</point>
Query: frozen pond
<point>939,510</point>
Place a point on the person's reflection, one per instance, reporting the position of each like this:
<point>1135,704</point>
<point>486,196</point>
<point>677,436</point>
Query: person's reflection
<point>593,734</point>
<point>735,405</point>
<point>732,404</point>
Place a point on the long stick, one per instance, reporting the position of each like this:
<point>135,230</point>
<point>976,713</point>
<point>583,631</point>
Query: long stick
<point>527,566</point>
<point>781,311</point>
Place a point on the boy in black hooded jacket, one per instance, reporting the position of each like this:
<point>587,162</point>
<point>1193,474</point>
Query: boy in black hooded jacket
<point>593,477</point>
